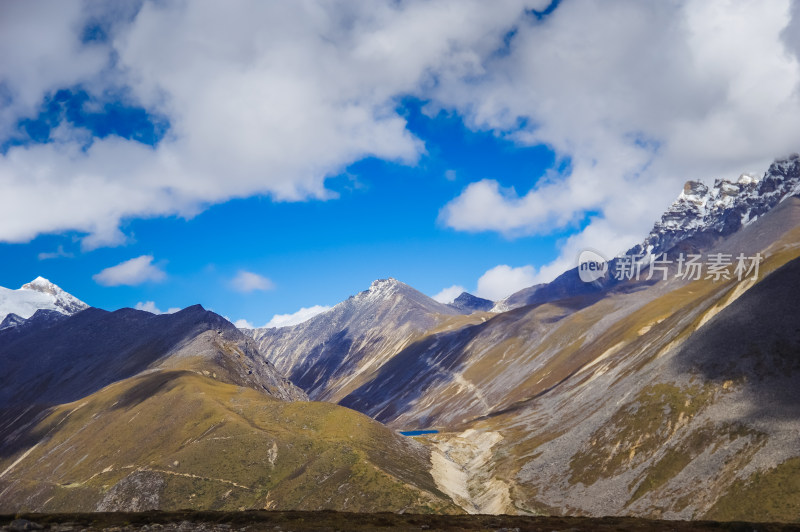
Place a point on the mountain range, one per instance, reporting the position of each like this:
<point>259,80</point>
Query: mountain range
<point>129,411</point>
<point>671,396</point>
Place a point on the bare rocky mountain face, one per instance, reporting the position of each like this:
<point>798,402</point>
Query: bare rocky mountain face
<point>593,398</point>
<point>467,303</point>
<point>334,352</point>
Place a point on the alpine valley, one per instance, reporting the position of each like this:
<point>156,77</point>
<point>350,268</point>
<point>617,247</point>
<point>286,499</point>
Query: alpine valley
<point>654,394</point>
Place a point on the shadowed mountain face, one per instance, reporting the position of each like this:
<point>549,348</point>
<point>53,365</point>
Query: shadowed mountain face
<point>55,362</point>
<point>467,303</point>
<point>755,341</point>
<point>11,320</point>
<point>40,318</point>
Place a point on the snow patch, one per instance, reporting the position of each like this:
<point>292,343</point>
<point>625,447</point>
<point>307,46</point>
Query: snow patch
<point>38,294</point>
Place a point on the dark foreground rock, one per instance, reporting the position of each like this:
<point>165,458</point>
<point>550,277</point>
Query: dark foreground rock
<point>334,521</point>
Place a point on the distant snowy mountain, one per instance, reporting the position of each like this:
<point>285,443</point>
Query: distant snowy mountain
<point>38,294</point>
<point>700,217</point>
<point>725,207</point>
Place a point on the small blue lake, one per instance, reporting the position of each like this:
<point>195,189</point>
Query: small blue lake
<point>417,432</point>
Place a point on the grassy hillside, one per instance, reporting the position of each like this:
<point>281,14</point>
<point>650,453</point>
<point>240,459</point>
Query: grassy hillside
<point>176,439</point>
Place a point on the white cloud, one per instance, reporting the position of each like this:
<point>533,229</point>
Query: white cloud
<point>150,306</point>
<point>289,92</point>
<point>638,98</point>
<point>131,272</point>
<point>243,324</point>
<point>503,280</point>
<point>484,205</point>
<point>41,53</point>
<point>245,281</point>
<point>304,314</point>
<point>58,253</point>
<point>447,295</point>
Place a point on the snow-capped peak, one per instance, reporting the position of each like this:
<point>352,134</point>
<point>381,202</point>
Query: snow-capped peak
<point>747,179</point>
<point>383,285</point>
<point>391,292</point>
<point>380,289</point>
<point>38,294</point>
<point>724,207</point>
<point>40,284</point>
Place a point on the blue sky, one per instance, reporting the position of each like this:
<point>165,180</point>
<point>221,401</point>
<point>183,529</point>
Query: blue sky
<point>384,221</point>
<point>261,157</point>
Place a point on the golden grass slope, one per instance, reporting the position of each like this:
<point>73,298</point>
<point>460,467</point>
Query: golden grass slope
<point>172,439</point>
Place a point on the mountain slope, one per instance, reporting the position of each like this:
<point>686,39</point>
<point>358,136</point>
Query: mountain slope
<point>330,354</point>
<point>38,294</point>
<point>63,361</point>
<point>695,417</point>
<point>450,376</point>
<point>126,410</point>
<point>468,367</point>
<point>172,439</point>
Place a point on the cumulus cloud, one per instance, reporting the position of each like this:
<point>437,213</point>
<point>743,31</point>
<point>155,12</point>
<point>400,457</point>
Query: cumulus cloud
<point>243,324</point>
<point>447,295</point>
<point>304,314</point>
<point>150,306</point>
<point>484,205</point>
<point>273,99</point>
<point>503,280</point>
<point>131,272</point>
<point>42,52</point>
<point>599,235</point>
<point>635,99</point>
<point>245,281</point>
